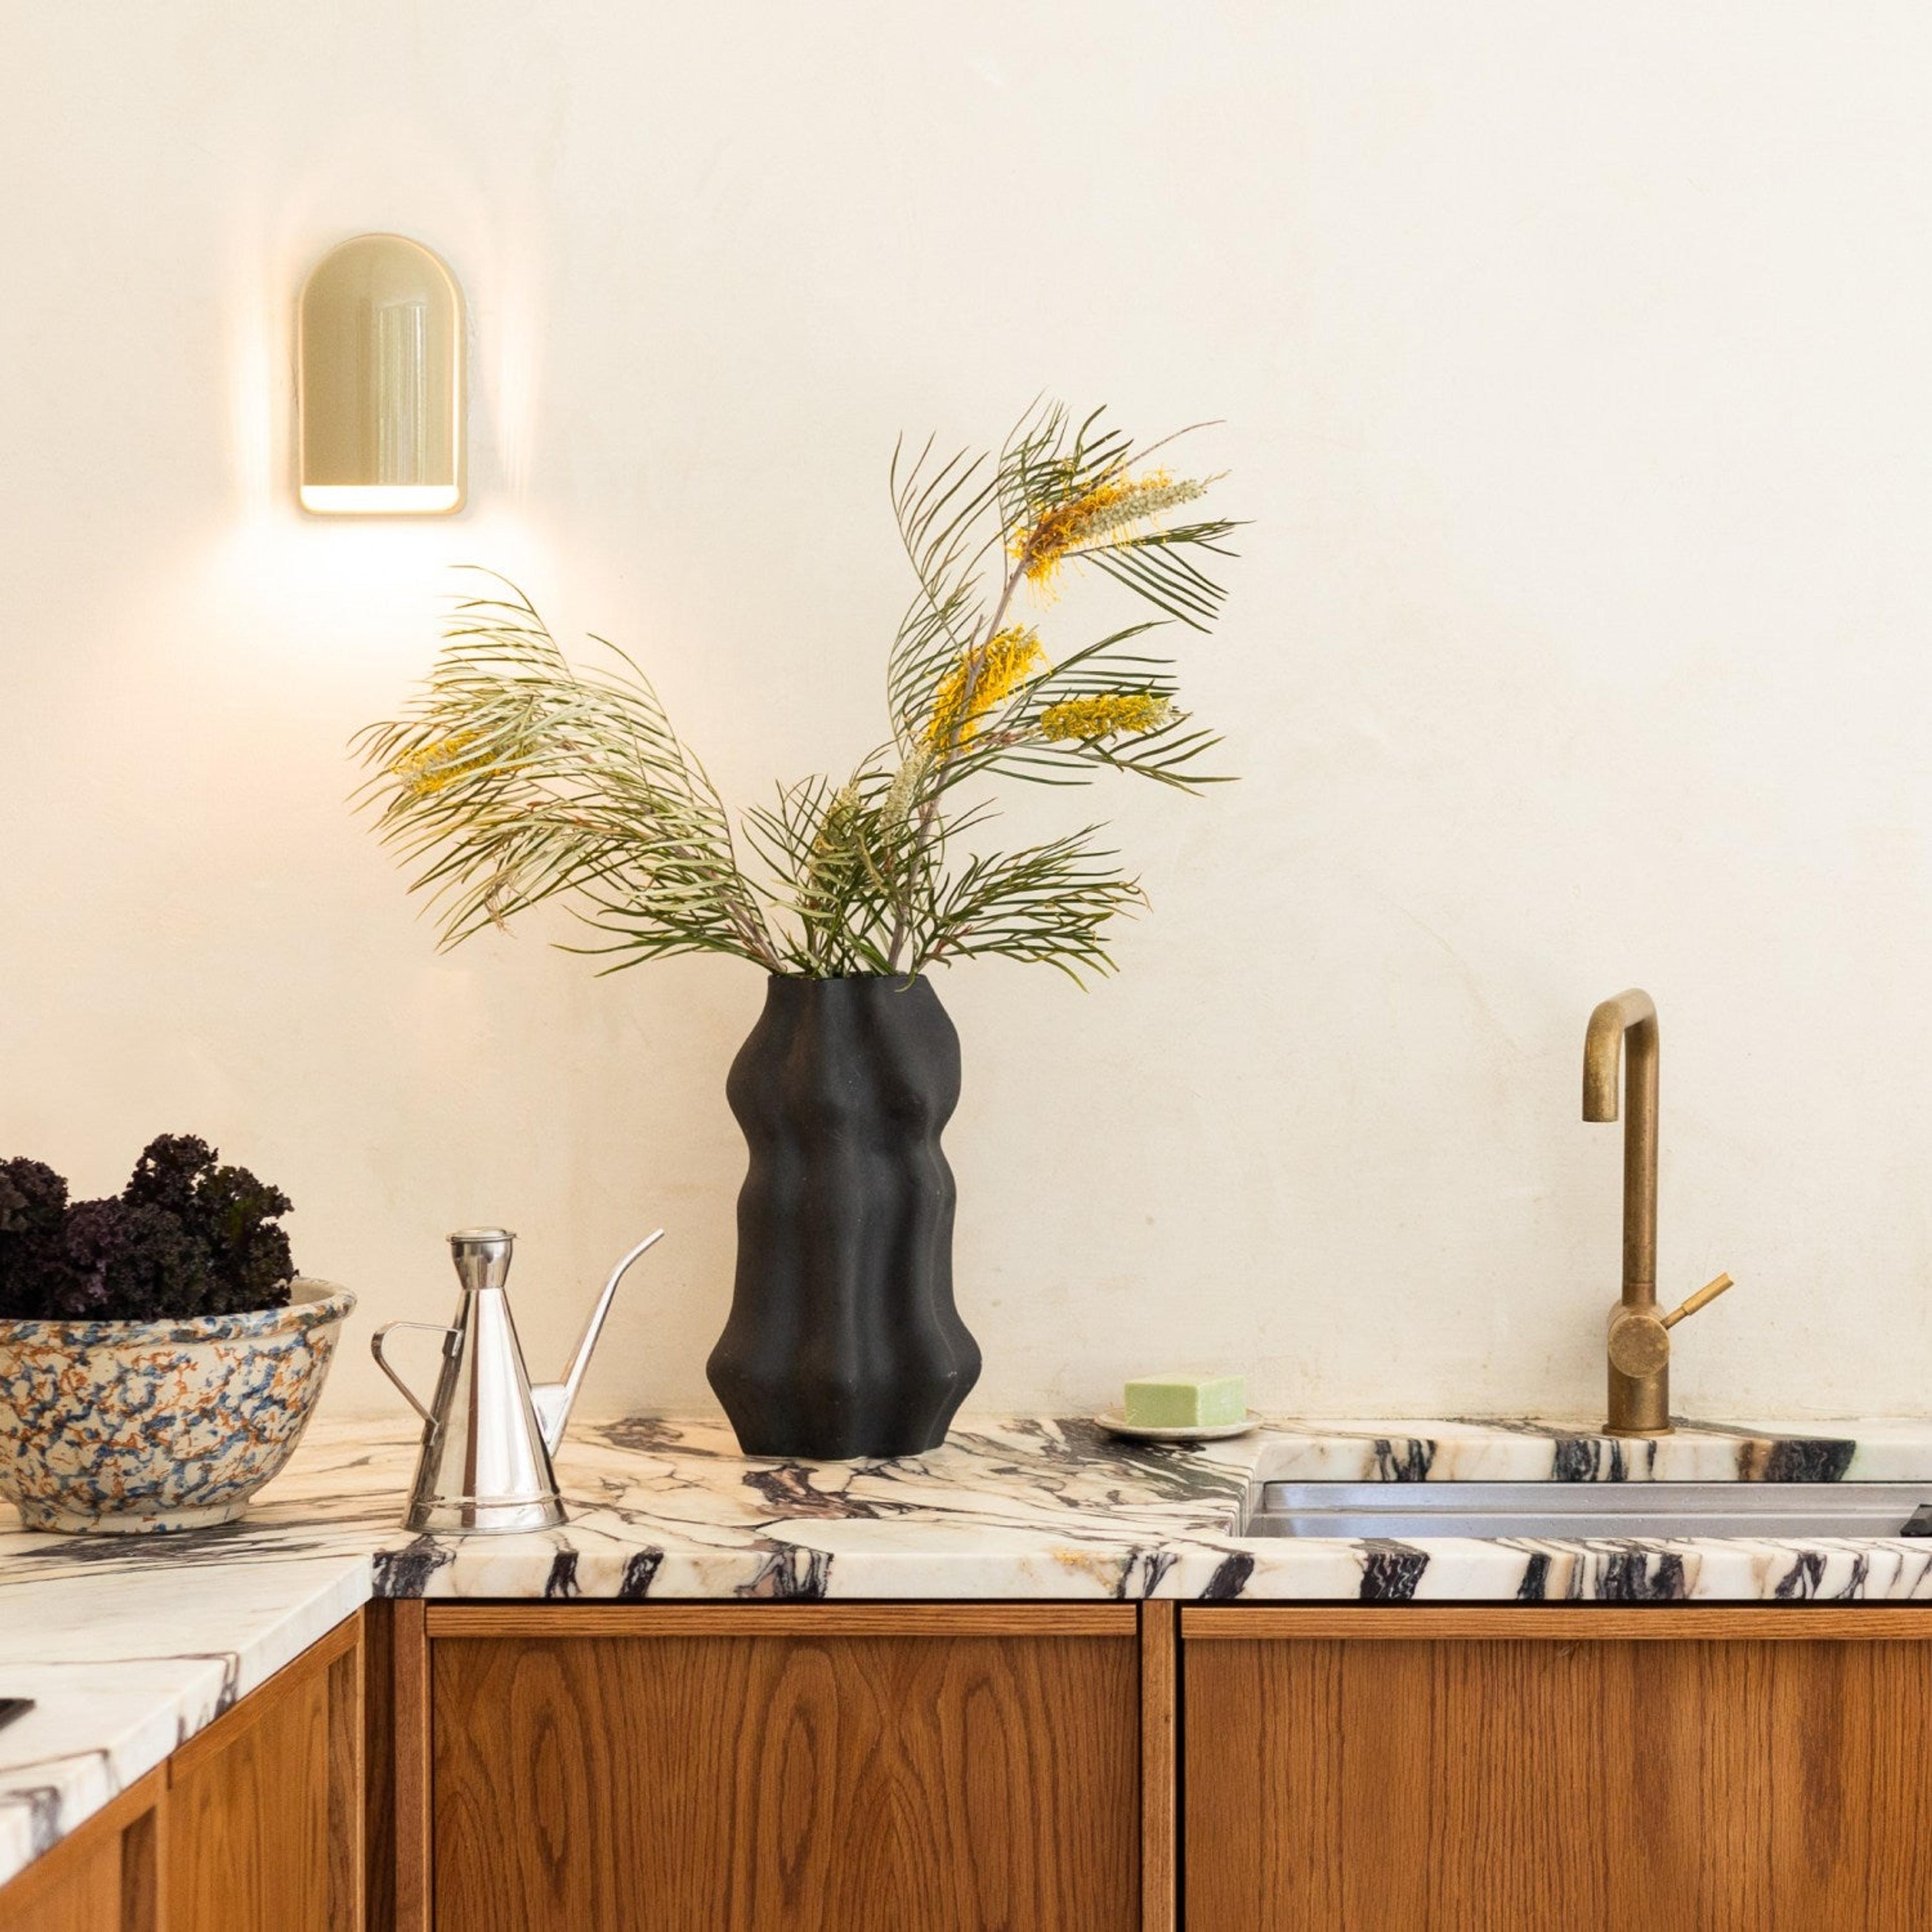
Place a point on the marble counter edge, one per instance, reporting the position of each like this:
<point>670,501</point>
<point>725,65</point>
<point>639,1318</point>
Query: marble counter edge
<point>136,1711</point>
<point>1013,1509</point>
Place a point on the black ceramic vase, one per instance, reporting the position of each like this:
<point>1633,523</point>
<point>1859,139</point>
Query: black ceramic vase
<point>843,1339</point>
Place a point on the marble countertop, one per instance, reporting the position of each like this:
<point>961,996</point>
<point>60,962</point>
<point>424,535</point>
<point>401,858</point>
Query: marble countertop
<point>129,1646</point>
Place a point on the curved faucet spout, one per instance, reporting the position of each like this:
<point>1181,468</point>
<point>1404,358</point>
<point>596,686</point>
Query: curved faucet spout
<point>1634,1012</point>
<point>1629,1017</point>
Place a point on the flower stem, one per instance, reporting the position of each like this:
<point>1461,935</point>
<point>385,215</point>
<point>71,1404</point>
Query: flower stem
<point>921,833</point>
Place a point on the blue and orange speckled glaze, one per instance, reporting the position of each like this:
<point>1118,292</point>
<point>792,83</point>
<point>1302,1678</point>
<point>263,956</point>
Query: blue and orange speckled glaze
<point>134,1426</point>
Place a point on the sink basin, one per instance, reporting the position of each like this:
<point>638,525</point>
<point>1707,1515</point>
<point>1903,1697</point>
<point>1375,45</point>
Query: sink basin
<point>1567,1510</point>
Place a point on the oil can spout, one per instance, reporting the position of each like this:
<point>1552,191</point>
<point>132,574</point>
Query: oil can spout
<point>552,1401</point>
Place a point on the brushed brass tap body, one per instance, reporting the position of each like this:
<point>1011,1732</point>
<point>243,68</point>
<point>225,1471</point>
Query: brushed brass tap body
<point>1624,1030</point>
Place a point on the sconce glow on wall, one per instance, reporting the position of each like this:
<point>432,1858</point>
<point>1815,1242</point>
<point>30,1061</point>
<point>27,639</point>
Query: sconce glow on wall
<point>380,374</point>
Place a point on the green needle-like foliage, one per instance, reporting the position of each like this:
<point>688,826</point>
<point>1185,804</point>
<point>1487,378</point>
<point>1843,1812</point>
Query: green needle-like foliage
<point>518,776</point>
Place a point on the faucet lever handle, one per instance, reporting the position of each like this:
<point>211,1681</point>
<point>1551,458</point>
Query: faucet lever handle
<point>1639,1341</point>
<point>1704,1296</point>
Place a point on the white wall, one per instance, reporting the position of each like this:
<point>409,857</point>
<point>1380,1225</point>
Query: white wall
<point>1574,362</point>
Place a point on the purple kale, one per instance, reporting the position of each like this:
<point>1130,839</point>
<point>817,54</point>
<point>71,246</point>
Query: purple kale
<point>33,1207</point>
<point>33,1198</point>
<point>172,1167</point>
<point>188,1237</point>
<point>236,1215</point>
<point>129,1260</point>
<point>232,1215</point>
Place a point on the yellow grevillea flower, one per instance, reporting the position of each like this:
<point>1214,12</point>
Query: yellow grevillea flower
<point>1114,714</point>
<point>985,677</point>
<point>1104,511</point>
<point>427,769</point>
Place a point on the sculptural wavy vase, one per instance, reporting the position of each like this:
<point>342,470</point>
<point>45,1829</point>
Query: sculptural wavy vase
<point>843,1339</point>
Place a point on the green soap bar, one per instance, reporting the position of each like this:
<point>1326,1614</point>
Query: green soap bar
<point>1185,1402</point>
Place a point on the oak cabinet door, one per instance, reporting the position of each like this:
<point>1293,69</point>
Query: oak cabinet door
<point>264,1811</point>
<point>1673,1770</point>
<point>103,1877</point>
<point>83,1895</point>
<point>761,1769</point>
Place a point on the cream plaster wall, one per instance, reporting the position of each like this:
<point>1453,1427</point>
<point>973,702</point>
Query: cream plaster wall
<point>1574,365</point>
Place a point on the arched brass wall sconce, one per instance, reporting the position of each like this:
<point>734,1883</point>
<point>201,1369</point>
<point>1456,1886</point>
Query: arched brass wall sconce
<point>379,375</point>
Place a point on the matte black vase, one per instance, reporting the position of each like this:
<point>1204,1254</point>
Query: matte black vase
<point>843,1339</point>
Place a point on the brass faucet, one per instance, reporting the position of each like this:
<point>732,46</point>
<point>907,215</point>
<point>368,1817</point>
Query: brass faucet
<point>1638,1339</point>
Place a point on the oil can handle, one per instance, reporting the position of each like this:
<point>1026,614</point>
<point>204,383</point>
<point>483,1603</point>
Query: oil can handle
<point>382,1361</point>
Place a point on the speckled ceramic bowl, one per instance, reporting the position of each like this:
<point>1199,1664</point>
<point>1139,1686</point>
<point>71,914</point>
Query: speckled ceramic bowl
<point>125,1426</point>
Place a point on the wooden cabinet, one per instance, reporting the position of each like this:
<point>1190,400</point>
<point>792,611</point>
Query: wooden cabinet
<point>264,1806</point>
<point>961,1768</point>
<point>254,1825</point>
<point>1701,1770</point>
<point>737,1767</point>
<point>104,1878</point>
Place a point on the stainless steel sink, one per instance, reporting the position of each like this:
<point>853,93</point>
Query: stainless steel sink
<point>1567,1511</point>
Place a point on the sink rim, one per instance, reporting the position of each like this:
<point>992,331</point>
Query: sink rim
<point>1276,1509</point>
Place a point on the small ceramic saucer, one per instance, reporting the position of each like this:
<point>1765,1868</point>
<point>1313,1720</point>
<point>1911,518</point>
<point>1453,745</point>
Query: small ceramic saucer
<point>1211,1432</point>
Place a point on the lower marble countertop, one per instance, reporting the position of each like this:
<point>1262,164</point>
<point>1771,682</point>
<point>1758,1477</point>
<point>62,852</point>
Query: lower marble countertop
<point>129,1646</point>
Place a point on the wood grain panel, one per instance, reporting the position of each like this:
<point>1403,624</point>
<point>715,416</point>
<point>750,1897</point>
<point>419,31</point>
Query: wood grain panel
<point>83,1894</point>
<point>1160,1822</point>
<point>1739,1785</point>
<point>259,1802</point>
<point>101,1877</point>
<point>409,1766</point>
<point>144,1868</point>
<point>379,1766</point>
<point>347,1879</point>
<point>515,1620</point>
<point>1786,1623</point>
<point>727,1783</point>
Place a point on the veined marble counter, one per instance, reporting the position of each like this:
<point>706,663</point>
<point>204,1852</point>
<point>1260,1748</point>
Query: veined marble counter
<point>129,1646</point>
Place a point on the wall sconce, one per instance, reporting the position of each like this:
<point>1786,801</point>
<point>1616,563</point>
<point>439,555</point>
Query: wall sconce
<point>379,376</point>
